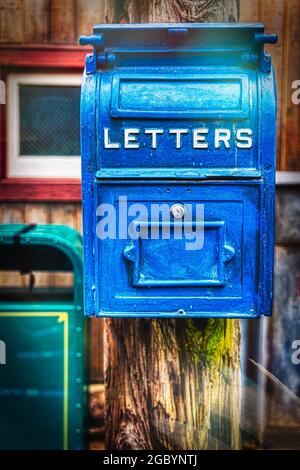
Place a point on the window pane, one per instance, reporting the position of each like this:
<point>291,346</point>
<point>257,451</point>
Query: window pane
<point>49,120</point>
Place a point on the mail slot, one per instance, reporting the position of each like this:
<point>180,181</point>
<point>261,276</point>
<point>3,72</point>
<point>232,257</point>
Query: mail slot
<point>178,166</point>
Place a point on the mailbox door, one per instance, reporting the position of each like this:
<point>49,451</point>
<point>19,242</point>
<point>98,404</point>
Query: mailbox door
<point>209,269</point>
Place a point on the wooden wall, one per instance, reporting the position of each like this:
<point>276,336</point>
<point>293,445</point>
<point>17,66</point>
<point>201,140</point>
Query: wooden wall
<point>42,21</point>
<point>282,17</point>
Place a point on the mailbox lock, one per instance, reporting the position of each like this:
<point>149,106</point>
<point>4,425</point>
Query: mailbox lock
<point>178,211</point>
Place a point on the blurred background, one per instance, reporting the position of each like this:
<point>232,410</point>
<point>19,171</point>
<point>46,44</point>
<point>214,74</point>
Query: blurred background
<point>41,65</point>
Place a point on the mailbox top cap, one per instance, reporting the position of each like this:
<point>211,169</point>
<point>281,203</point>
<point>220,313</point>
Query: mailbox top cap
<point>124,36</point>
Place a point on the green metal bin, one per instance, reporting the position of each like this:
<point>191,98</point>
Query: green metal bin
<point>41,337</point>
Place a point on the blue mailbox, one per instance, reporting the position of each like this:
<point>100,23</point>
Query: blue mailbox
<point>178,167</point>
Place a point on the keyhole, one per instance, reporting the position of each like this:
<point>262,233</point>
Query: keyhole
<point>178,211</point>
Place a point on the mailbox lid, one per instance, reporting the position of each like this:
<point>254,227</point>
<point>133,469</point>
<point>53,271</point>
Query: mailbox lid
<point>205,81</point>
<point>160,277</point>
<point>145,37</point>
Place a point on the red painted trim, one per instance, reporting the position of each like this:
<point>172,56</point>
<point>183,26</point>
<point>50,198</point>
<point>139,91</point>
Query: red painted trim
<point>19,189</point>
<point>2,150</point>
<point>2,130</point>
<point>43,56</point>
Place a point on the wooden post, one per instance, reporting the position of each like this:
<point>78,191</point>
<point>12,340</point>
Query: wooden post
<point>172,384</point>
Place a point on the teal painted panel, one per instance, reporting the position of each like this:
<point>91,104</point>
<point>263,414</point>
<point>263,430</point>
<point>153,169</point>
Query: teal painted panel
<point>41,344</point>
<point>33,381</point>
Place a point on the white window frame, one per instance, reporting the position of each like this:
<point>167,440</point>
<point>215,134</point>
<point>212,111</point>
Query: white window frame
<point>26,166</point>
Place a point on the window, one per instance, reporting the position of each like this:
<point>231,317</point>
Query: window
<point>44,125</point>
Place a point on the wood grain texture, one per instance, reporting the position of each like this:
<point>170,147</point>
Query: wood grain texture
<point>11,21</point>
<point>11,214</point>
<point>172,384</point>
<point>95,328</point>
<point>165,391</point>
<point>249,10</point>
<point>290,152</point>
<point>282,17</point>
<point>38,214</point>
<point>95,418</point>
<point>272,15</point>
<point>64,214</point>
<point>63,27</point>
<point>35,20</point>
<point>89,13</point>
<point>174,11</point>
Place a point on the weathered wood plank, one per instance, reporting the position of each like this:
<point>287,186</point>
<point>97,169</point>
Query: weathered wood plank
<point>89,13</point>
<point>95,332</point>
<point>64,214</point>
<point>249,11</point>
<point>11,21</point>
<point>272,15</point>
<point>63,27</point>
<point>35,20</point>
<point>290,157</point>
<point>95,419</point>
<point>38,214</point>
<point>11,214</point>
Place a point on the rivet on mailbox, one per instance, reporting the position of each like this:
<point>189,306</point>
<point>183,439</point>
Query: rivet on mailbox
<point>178,170</point>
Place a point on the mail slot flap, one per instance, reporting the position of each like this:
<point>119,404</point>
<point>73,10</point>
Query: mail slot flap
<point>155,269</point>
<point>180,96</point>
<point>177,265</point>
